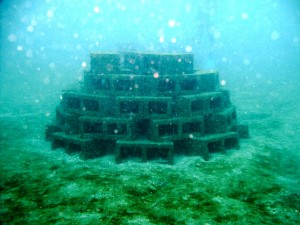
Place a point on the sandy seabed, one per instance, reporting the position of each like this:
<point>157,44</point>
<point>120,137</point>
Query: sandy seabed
<point>257,184</point>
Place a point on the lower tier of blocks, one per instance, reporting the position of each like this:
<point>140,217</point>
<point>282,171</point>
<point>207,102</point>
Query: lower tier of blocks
<point>169,129</point>
<point>144,149</point>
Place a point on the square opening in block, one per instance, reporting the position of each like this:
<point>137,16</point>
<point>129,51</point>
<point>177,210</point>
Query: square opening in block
<point>229,120</point>
<point>215,146</point>
<point>93,127</point>
<point>157,107</point>
<point>123,85</point>
<point>73,148</point>
<point>127,152</point>
<point>142,127</point>
<point>60,118</point>
<point>233,115</point>
<point>215,102</point>
<point>101,84</point>
<point>117,129</point>
<point>191,127</point>
<point>129,107</point>
<point>166,85</point>
<point>73,103</point>
<point>91,105</point>
<point>189,84</point>
<point>58,144</point>
<point>157,153</point>
<point>231,142</point>
<point>197,105</point>
<point>112,128</point>
<point>167,129</point>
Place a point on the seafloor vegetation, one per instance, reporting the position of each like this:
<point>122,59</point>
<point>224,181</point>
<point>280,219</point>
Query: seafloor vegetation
<point>258,184</point>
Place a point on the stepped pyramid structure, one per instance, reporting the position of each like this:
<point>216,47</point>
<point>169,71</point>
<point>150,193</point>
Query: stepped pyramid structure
<point>146,105</point>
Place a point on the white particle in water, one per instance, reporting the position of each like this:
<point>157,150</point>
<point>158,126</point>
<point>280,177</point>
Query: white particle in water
<point>244,16</point>
<point>188,48</point>
<point>156,75</point>
<point>172,23</point>
<point>50,13</point>
<point>275,35</point>
<point>161,39</point>
<point>20,48</point>
<point>246,62</point>
<point>12,38</point>
<point>96,9</point>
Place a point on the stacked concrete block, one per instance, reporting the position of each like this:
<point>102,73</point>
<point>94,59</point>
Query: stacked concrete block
<point>106,127</point>
<point>146,105</point>
<point>144,149</point>
<point>105,63</point>
<point>163,64</point>
<point>176,128</point>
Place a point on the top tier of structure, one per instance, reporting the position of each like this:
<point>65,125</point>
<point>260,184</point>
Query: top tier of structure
<point>142,63</point>
<point>147,74</point>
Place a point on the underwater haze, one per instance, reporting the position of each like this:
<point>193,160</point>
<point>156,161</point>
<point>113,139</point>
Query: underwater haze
<point>253,44</point>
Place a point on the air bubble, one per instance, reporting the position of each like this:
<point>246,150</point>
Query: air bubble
<point>12,38</point>
<point>172,23</point>
<point>50,13</point>
<point>20,48</point>
<point>156,75</point>
<point>188,48</point>
<point>246,62</point>
<point>244,16</point>
<point>96,9</point>
<point>30,28</point>
<point>275,35</point>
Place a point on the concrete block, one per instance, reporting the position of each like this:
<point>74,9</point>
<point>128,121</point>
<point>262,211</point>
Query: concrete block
<point>221,122</point>
<point>163,85</point>
<point>146,107</point>
<point>215,142</point>
<point>105,63</point>
<point>144,149</point>
<point>163,64</point>
<point>84,104</point>
<point>50,130</point>
<point>106,128</point>
<point>97,83</point>
<point>199,104</point>
<point>178,128</point>
<point>243,131</point>
<point>208,81</point>
<point>123,85</point>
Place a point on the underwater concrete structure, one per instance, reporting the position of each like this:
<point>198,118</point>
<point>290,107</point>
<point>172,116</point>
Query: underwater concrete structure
<point>146,105</point>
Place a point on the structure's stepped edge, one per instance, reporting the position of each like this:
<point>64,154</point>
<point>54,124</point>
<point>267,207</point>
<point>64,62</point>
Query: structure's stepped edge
<point>146,105</point>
